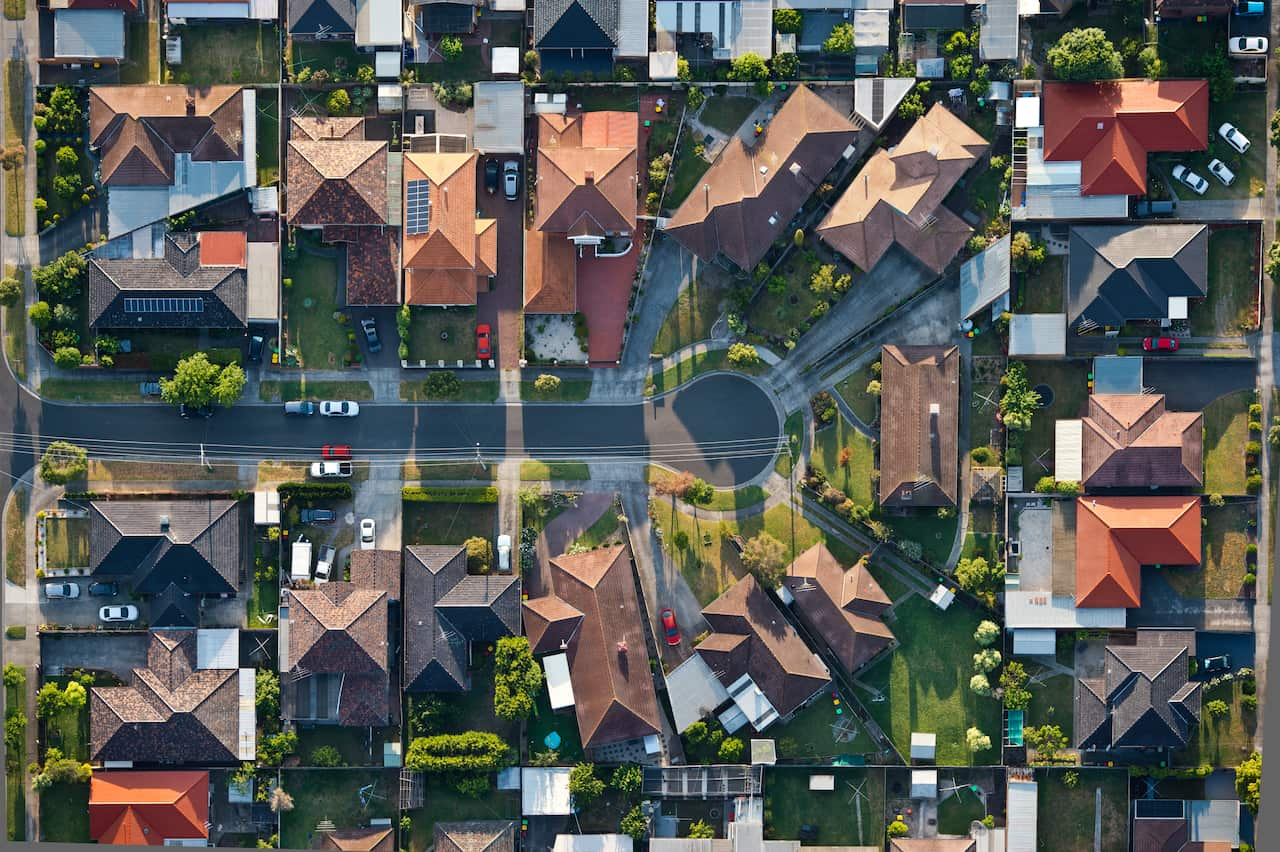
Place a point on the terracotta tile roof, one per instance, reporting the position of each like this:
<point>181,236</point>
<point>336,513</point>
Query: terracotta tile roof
<point>339,628</point>
<point>336,182</point>
<point>377,569</point>
<point>148,808</point>
<point>222,248</point>
<point>1111,127</point>
<point>475,836</point>
<point>897,196</point>
<point>587,173</point>
<point>608,663</point>
<point>1116,536</point>
<point>550,274</point>
<point>1171,835</point>
<point>843,606</point>
<point>737,210</point>
<point>371,839</point>
<point>443,264</point>
<point>1131,441</point>
<point>373,262</point>
<point>325,127</point>
<point>919,413</point>
<point>777,659</point>
<point>486,246</point>
<point>549,621</point>
<point>933,844</point>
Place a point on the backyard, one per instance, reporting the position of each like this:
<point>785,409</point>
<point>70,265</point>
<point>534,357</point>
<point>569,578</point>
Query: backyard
<point>354,744</point>
<point>727,112</point>
<point>339,58</point>
<point>692,316</point>
<point>1068,382</point>
<point>1052,703</point>
<point>442,334</point>
<point>841,817</point>
<point>1231,306</point>
<point>853,389</point>
<point>268,138</point>
<point>66,543</point>
<point>442,803</point>
<point>957,811</point>
<point>854,476</point>
<point>819,732</point>
<point>1226,432</point>
<point>1224,741</point>
<point>1224,540</point>
<point>1075,809</point>
<point>142,49</point>
<point>334,796</point>
<point>214,53</point>
<point>448,522</point>
<point>544,723</point>
<point>1040,291</point>
<point>925,683</point>
<point>70,801</point>
<point>925,527</point>
<point>315,336</point>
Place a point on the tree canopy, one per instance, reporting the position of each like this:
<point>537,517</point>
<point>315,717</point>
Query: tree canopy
<point>1019,401</point>
<point>764,556</point>
<point>197,381</point>
<point>748,68</point>
<point>517,678</point>
<point>1085,54</point>
<point>63,462</point>
<point>840,41</point>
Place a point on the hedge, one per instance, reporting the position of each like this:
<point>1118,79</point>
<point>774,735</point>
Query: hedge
<point>473,751</point>
<point>316,490</point>
<point>471,494</point>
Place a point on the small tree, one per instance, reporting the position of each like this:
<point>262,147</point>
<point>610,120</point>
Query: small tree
<point>273,749</point>
<point>584,786</point>
<point>66,357</point>
<point>442,385</point>
<point>229,385</point>
<point>1217,708</point>
<point>873,387</point>
<point>48,701</point>
<point>40,314</point>
<point>980,685</point>
<point>451,48</point>
<point>1012,680</point>
<point>749,68</point>
<point>67,159</point>
<point>339,102</point>
<point>787,21</point>
<point>327,755</point>
<point>280,800</point>
<point>10,291</point>
<point>764,556</point>
<point>840,41</point>
<point>197,381</point>
<point>266,698</point>
<point>63,462</point>
<point>743,355</point>
<point>1019,401</point>
<point>479,554</point>
<point>987,633</point>
<point>1025,253</point>
<point>627,778</point>
<point>517,678</point>
<point>1047,740</point>
<point>701,829</point>
<point>976,740</point>
<point>546,384</point>
<point>986,660</point>
<point>1249,782</point>
<point>634,824</point>
<point>1085,54</point>
<point>731,749</point>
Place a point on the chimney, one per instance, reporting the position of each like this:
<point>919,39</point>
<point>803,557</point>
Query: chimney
<point>191,105</point>
<point>164,523</point>
<point>622,646</point>
<point>589,177</point>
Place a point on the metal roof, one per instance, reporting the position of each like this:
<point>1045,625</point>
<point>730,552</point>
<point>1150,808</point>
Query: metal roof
<point>1020,812</point>
<point>263,261</point>
<point>757,28</point>
<point>1035,641</point>
<point>694,691</point>
<point>1036,609</point>
<point>379,23</point>
<point>1038,334</point>
<point>499,117</point>
<point>998,36</point>
<point>88,33</point>
<point>984,278</point>
<point>1117,374</point>
<point>1068,452</point>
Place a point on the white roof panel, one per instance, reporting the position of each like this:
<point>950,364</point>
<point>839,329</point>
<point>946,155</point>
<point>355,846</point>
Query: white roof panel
<point>924,783</point>
<point>263,262</point>
<point>1021,816</point>
<point>695,692</point>
<point>559,687</point>
<point>1214,821</point>
<point>1117,374</point>
<point>506,60</point>
<point>757,28</point>
<point>593,843</point>
<point>998,35</point>
<point>1026,111</point>
<point>985,277</point>
<point>544,791</point>
<point>379,23</point>
<point>1068,450</point>
<point>247,738</point>
<point>386,64</point>
<point>210,11</point>
<point>218,649</point>
<point>663,65</point>
<point>1038,609</point>
<point>1038,334</point>
<point>88,33</point>
<point>633,30</point>
<point>498,126</point>
<point>1035,642</point>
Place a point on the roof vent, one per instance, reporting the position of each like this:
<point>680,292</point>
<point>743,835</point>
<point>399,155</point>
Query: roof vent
<point>764,170</point>
<point>164,523</point>
<point>1102,125</point>
<point>589,177</point>
<point>773,220</point>
<point>795,169</point>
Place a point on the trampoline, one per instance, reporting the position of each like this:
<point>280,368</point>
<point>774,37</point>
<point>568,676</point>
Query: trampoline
<point>1046,395</point>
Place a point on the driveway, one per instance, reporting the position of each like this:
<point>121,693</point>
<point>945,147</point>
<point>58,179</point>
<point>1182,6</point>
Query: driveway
<point>604,288</point>
<point>1238,646</point>
<point>669,269</point>
<point>81,611</point>
<point>1163,607</point>
<point>119,653</point>
<point>1192,383</point>
<point>563,530</point>
<point>501,306</point>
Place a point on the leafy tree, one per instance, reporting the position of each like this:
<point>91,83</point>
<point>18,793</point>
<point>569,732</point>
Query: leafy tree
<point>1071,779</point>
<point>60,770</point>
<point>10,291</point>
<point>1047,740</point>
<point>1013,681</point>
<point>74,696</point>
<point>470,752</point>
<point>978,576</point>
<point>14,675</point>
<point>1217,708</point>
<point>442,385</point>
<point>1027,254</point>
<point>840,41</point>
<point>273,749</point>
<point>67,186</point>
<point>61,463</point>
<point>60,279</point>
<point>785,66</point>
<point>749,67</point>
<point>987,633</point>
<point>696,733</point>
<point>365,74</point>
<point>1019,401</point>
<point>627,778</point>
<point>1153,67</point>
<point>451,48</point>
<point>962,67</point>
<point>979,684</point>
<point>584,786</point>
<point>428,713</point>
<point>634,824</point>
<point>986,660</point>
<point>229,386</point>
<point>699,493</point>
<point>267,699</point>
<point>1249,782</point>
<point>897,828</point>
<point>1085,54</point>
<point>327,755</point>
<point>517,678</point>
<point>701,829</point>
<point>743,355</point>
<point>197,381</point>
<point>1214,66</point>
<point>911,108</point>
<point>764,556</point>
<point>546,384</point>
<point>957,44</point>
<point>66,357</point>
<point>787,20</point>
<point>67,159</point>
<point>479,554</point>
<point>684,74</point>
<point>339,102</point>
<point>49,701</point>
<point>976,740</point>
<point>731,749</point>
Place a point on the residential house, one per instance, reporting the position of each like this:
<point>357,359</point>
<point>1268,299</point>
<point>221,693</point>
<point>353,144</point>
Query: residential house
<point>475,836</point>
<point>919,425</point>
<point>164,150</point>
<point>149,808</point>
<point>1116,536</point>
<point>592,614</point>
<point>86,31</point>
<point>321,20</point>
<point>1175,9</point>
<point>1144,700</point>
<point>449,253</point>
<point>579,36</point>
<point>767,669</point>
<point>185,11</point>
<point>1131,441</point>
<point>339,183</point>
<point>446,610</point>
<point>730,27</point>
<point>897,197</point>
<point>374,838</point>
<point>199,546</point>
<point>932,844</point>
<point>200,282</point>
<point>754,189</point>
<point>844,606</point>
<point>1181,825</point>
<point>176,710</point>
<point>1118,274</point>
<point>924,16</point>
<point>585,195</point>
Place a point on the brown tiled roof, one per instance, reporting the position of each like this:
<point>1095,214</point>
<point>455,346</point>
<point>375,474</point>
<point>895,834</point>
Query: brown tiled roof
<point>897,197</point>
<point>1171,835</point>
<point>475,836</point>
<point>373,839</point>
<point>337,182</point>
<point>608,660</point>
<point>587,173</point>
<point>933,844</point>
<point>842,606</point>
<point>549,621</point>
<point>171,713</point>
<point>322,128</point>
<point>373,262</point>
<point>1131,441</point>
<point>779,662</point>
<point>339,628</point>
<point>919,417</point>
<point>738,211</point>
<point>550,274</point>
<point>377,569</point>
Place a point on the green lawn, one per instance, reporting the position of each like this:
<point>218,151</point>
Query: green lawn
<point>442,334</point>
<point>1225,741</point>
<point>448,523</point>
<point>278,391</point>
<point>15,202</point>
<point>811,733</point>
<point>15,184</point>
<point>695,364</point>
<point>268,138</point>
<point>445,804</point>
<point>780,314</point>
<point>542,471</point>
<point>64,811</point>
<point>570,390</point>
<point>958,810</point>
<point>334,795</point>
<point>311,303</point>
<point>264,606</point>
<point>600,98</point>
<point>352,743</point>
<point>1221,571</point>
<point>426,469</point>
<point>1226,431</point>
<point>142,52</point>
<point>485,390</point>
<point>336,57</point>
<point>15,340</point>
<point>688,169</point>
<point>239,52</point>
<point>16,803</point>
<point>789,804</point>
<point>925,683</point>
<point>934,535</point>
<point>69,729</point>
<point>602,531</point>
<point>727,112</point>
<point>1052,703</point>
<point>543,722</point>
<point>468,68</point>
<point>853,388</point>
<point>792,428</point>
<point>1230,308</point>
<point>1040,292</point>
<point>690,318</point>
<point>15,538</point>
<point>1075,810</point>
<point>722,498</point>
<point>854,479</point>
<point>1069,383</point>
<point>889,583</point>
<point>66,542</point>
<point>1247,110</point>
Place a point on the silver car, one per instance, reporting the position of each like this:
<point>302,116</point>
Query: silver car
<point>53,591</point>
<point>333,408</point>
<point>511,179</point>
<point>128,612</point>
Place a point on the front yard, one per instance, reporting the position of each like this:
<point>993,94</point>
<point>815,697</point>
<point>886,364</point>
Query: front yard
<point>854,476</point>
<point>841,818</point>
<point>818,733</point>
<point>285,391</point>
<point>786,309</point>
<point>692,316</point>
<point>239,52</point>
<point>442,334</point>
<point>316,338</point>
<point>853,389</point>
<point>334,796</point>
<point>448,522</point>
<point>1226,432</point>
<point>442,803</point>
<point>686,368</point>
<point>64,809</point>
<point>15,536</point>
<point>1247,110</point>
<point>1224,741</point>
<point>66,543</point>
<point>1075,812</point>
<point>1231,306</point>
<point>1224,540</point>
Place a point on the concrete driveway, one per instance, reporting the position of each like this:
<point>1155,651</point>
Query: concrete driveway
<point>501,306</point>
<point>82,611</point>
<point>1164,607</point>
<point>1192,383</point>
<point>118,653</point>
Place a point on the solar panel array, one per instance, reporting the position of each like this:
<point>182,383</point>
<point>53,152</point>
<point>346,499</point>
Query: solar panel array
<point>148,305</point>
<point>417,211</point>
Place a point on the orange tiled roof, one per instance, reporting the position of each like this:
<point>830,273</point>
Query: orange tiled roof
<point>442,264</point>
<point>148,808</point>
<point>550,274</point>
<point>1116,536</point>
<point>222,248</point>
<point>587,173</point>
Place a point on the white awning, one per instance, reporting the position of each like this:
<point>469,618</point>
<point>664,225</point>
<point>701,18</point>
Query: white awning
<point>300,562</point>
<point>559,687</point>
<point>695,692</point>
<point>266,508</point>
<point>753,703</point>
<point>386,64</point>
<point>1043,335</point>
<point>218,649</point>
<point>1036,609</point>
<point>179,10</point>
<point>1026,111</point>
<point>1035,642</point>
<point>247,739</point>
<point>663,65</point>
<point>545,791</point>
<point>924,746</point>
<point>924,783</point>
<point>1068,450</point>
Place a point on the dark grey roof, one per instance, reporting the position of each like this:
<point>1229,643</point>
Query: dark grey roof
<point>484,608</point>
<point>559,24</point>
<point>1119,273</point>
<point>200,551</point>
<point>934,16</point>
<point>175,608</point>
<point>309,18</point>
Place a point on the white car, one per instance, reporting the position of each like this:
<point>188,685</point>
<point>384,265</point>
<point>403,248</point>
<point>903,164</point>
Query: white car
<point>62,590</point>
<point>366,534</point>
<point>1185,176</point>
<point>128,612</point>
<point>330,469</point>
<point>332,408</point>
<point>504,554</point>
<point>1219,169</point>
<point>324,563</point>
<point>1247,46</point>
<point>1234,137</point>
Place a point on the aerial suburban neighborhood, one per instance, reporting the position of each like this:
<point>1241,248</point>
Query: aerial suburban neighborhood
<point>639,425</point>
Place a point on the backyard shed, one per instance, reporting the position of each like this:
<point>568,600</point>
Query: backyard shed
<point>1038,335</point>
<point>985,278</point>
<point>88,34</point>
<point>924,783</point>
<point>1022,816</point>
<point>262,273</point>
<point>266,507</point>
<point>506,60</point>
<point>924,746</point>
<point>499,117</point>
<point>1034,642</point>
<point>823,782</point>
<point>559,687</point>
<point>545,791</point>
<point>942,596</point>
<point>1117,374</point>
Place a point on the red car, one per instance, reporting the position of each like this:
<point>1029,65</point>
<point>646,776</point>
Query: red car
<point>483,352</point>
<point>1160,344</point>
<point>335,452</point>
<point>669,629</point>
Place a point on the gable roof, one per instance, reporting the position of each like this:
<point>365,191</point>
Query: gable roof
<point>843,606</point>
<point>608,663</point>
<point>919,413</point>
<point>1116,536</point>
<point>932,844</point>
<point>339,628</point>
<point>897,197</point>
<point>550,274</point>
<point>377,569</point>
<point>336,180</point>
<point>587,24</point>
<point>148,808</point>
<point>753,638</point>
<point>587,173</point>
<point>200,551</point>
<point>1131,441</point>
<point>475,836</point>
<point>1118,273</point>
<point>1110,127</point>
<point>550,622</point>
<point>371,839</point>
<point>314,17</point>
<point>443,263</point>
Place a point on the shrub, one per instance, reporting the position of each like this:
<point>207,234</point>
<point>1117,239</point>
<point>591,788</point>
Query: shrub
<point>1217,500</point>
<point>479,554</point>
<point>981,455</point>
<point>680,539</point>
<point>987,632</point>
<point>517,678</point>
<point>898,828</point>
<point>1085,54</point>
<point>449,494</point>
<point>327,756</point>
<point>1216,708</point>
<point>584,786</point>
<point>451,48</point>
<point>10,291</point>
<point>979,684</point>
<point>787,20</point>
<point>986,660</point>
<point>315,491</point>
<point>546,384</point>
<point>63,462</point>
<point>634,824</point>
<point>1253,484</point>
<point>1071,779</point>
<point>743,355</point>
<point>976,740</point>
<point>731,749</point>
<point>471,752</point>
<point>1253,449</point>
<point>442,384</point>
<point>67,357</point>
<point>627,778</point>
<point>472,786</point>
<point>274,749</point>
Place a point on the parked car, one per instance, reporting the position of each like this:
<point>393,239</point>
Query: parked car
<point>333,408</point>
<point>61,590</point>
<point>1220,663</point>
<point>149,388</point>
<point>300,408</point>
<point>190,411</point>
<point>330,469</point>
<point>483,352</point>
<point>669,628</point>
<point>504,554</point>
<point>366,534</point>
<point>317,516</point>
<point>1249,8</point>
<point>1219,169</point>
<point>371,334</point>
<point>1234,137</point>
<point>1185,176</point>
<point>511,180</point>
<point>1247,46</point>
<point>335,452</point>
<point>104,590</point>
<point>491,176</point>
<point>127,612</point>
<point>1160,344</point>
<point>255,349</point>
<point>324,563</point>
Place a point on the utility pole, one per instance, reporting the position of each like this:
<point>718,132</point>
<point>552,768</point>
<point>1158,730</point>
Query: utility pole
<point>479,460</point>
<point>203,460</point>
